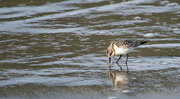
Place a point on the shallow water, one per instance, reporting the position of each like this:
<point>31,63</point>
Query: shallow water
<point>57,49</point>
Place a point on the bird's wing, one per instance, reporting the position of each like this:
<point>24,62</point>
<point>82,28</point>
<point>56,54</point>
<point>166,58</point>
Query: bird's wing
<point>124,43</point>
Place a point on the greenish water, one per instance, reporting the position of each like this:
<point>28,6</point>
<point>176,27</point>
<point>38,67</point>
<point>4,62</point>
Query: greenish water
<point>57,49</point>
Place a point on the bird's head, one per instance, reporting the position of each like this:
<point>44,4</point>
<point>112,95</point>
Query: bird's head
<point>110,53</point>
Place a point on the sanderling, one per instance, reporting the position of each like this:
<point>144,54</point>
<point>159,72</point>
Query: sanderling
<point>122,47</point>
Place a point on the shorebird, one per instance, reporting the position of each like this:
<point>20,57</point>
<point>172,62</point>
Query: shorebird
<point>122,47</point>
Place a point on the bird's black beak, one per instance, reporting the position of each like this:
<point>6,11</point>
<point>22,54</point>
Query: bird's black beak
<point>109,60</point>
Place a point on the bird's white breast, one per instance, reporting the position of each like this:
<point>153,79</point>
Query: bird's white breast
<point>119,50</point>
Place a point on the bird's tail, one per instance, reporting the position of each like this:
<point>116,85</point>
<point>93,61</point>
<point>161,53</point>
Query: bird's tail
<point>142,42</point>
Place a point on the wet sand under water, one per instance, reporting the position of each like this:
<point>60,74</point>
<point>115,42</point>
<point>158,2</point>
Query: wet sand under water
<point>156,84</point>
<point>57,49</point>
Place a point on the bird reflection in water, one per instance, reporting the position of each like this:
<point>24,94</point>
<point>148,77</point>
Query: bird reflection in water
<point>120,80</point>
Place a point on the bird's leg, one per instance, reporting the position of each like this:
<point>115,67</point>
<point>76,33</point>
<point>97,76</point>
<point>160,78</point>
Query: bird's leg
<point>119,58</point>
<point>126,62</point>
<point>119,66</point>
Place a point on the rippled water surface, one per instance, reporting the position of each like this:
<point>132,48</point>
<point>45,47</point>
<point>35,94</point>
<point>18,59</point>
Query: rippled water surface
<point>57,49</point>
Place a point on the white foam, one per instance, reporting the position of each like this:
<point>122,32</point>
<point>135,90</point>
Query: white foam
<point>166,45</point>
<point>149,35</point>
